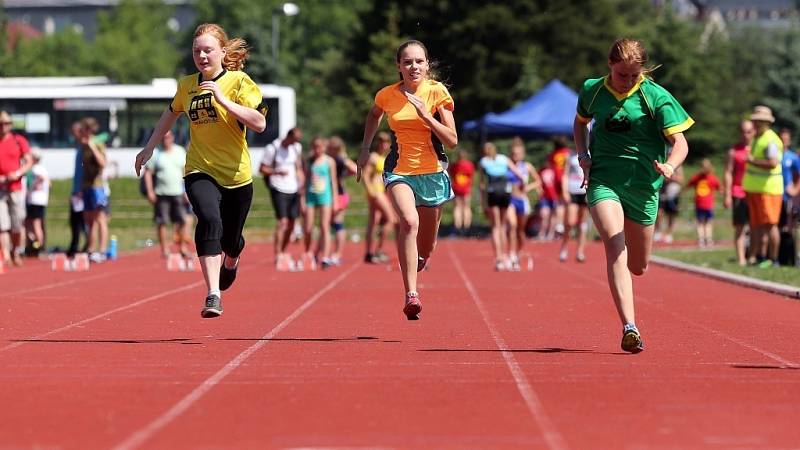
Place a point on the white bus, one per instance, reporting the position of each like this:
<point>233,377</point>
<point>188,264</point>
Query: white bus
<point>44,108</point>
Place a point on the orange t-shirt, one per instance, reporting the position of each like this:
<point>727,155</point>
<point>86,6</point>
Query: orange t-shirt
<point>415,149</point>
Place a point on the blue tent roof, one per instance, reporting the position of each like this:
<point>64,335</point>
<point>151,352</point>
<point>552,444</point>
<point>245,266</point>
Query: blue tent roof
<point>549,112</point>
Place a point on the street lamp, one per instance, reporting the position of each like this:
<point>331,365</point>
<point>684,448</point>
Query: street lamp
<point>286,9</point>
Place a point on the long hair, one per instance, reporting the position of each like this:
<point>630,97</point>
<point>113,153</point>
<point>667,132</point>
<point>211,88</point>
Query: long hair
<point>630,51</point>
<point>236,50</point>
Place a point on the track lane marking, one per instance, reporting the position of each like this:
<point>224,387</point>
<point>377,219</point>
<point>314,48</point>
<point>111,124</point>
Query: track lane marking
<point>144,434</point>
<point>552,437</point>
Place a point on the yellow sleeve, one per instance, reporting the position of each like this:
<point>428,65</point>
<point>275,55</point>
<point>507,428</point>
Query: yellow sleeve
<point>249,94</point>
<point>177,102</point>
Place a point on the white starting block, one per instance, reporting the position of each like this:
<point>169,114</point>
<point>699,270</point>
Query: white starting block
<point>60,263</point>
<point>178,263</point>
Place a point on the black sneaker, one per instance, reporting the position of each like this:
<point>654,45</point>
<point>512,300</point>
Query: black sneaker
<point>213,307</point>
<point>227,276</point>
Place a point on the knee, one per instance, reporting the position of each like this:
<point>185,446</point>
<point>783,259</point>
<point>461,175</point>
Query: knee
<point>409,225</point>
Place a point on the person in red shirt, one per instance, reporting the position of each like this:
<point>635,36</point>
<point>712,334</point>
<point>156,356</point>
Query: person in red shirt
<point>705,185</point>
<point>547,202</point>
<point>557,160</point>
<point>15,161</point>
<point>461,172</point>
<point>733,192</point>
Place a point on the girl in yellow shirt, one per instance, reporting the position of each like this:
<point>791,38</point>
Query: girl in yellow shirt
<point>420,115</point>
<point>220,101</point>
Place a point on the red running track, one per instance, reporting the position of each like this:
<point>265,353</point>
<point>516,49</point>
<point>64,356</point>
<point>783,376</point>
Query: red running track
<point>119,358</point>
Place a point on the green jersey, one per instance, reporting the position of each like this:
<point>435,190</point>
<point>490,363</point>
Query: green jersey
<point>629,131</point>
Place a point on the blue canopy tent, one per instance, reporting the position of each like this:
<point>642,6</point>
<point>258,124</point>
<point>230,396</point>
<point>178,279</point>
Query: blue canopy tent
<point>549,112</point>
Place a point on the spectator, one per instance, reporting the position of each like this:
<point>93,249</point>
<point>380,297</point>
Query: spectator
<point>705,185</point>
<point>379,209</point>
<point>77,226</point>
<point>344,167</point>
<point>320,192</point>
<point>520,208</point>
<point>496,190</point>
<point>574,194</point>
<point>94,193</point>
<point>163,179</point>
<point>547,204</point>
<point>763,186</point>
<point>15,161</point>
<point>461,173</point>
<point>36,202</point>
<point>669,206</point>
<point>557,160</point>
<point>787,253</point>
<point>734,192</point>
<point>282,168</point>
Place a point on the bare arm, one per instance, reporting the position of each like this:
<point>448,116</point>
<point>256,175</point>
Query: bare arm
<point>148,184</point>
<point>164,124</point>
<point>374,117</point>
<point>536,180</point>
<point>680,148</point>
<point>334,183</point>
<point>97,154</point>
<point>727,180</point>
<point>368,174</point>
<point>580,133</point>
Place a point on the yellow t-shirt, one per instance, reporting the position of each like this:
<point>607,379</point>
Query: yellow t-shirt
<point>218,146</point>
<point>415,149</point>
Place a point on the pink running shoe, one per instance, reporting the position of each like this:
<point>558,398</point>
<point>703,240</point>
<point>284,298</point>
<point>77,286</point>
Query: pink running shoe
<point>413,306</point>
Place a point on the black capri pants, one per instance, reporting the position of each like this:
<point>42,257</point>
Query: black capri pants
<point>221,214</point>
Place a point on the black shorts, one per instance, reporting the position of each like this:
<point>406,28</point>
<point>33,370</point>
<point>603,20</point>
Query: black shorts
<point>788,212</point>
<point>499,199</point>
<point>35,211</point>
<point>670,206</point>
<point>578,199</point>
<point>287,206</point>
<point>169,208</point>
<point>740,212</point>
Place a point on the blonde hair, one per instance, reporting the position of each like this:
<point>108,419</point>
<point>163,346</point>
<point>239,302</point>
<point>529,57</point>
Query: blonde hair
<point>236,51</point>
<point>336,142</point>
<point>630,51</point>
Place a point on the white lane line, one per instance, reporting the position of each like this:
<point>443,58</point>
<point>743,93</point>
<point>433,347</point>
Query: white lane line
<point>65,283</point>
<point>753,348</point>
<point>552,437</point>
<point>144,434</point>
<point>102,315</point>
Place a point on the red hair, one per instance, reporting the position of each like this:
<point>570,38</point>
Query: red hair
<point>236,51</point>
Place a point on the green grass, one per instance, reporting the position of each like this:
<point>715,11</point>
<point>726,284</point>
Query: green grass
<point>723,259</point>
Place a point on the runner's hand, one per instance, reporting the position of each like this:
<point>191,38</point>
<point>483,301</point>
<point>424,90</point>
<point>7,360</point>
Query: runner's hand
<point>363,159</point>
<point>586,166</point>
<point>141,159</point>
<point>213,87</point>
<point>665,169</point>
<point>419,105</point>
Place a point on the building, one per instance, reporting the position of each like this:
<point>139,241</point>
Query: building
<point>49,16</point>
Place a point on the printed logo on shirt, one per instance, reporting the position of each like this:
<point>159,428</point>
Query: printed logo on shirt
<point>618,121</point>
<point>201,109</point>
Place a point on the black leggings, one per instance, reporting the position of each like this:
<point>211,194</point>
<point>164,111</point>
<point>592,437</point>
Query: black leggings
<point>221,214</point>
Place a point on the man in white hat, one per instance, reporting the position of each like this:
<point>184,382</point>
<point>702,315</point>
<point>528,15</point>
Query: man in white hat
<point>763,186</point>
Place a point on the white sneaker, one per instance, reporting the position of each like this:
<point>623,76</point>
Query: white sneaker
<point>97,257</point>
<point>563,255</point>
<point>499,266</point>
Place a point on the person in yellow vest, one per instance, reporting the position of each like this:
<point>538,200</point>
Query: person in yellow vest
<point>763,187</point>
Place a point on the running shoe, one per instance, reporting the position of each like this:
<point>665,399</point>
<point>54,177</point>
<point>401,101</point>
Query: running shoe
<point>499,265</point>
<point>631,339</point>
<point>382,257</point>
<point>421,263</point>
<point>227,276</point>
<point>326,262</point>
<point>282,265</point>
<point>562,256</point>
<point>309,262</point>
<point>580,257</point>
<point>213,307</point>
<point>413,306</point>
<point>513,265</point>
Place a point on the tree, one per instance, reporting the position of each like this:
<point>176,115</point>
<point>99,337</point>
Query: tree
<point>64,53</point>
<point>134,43</point>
